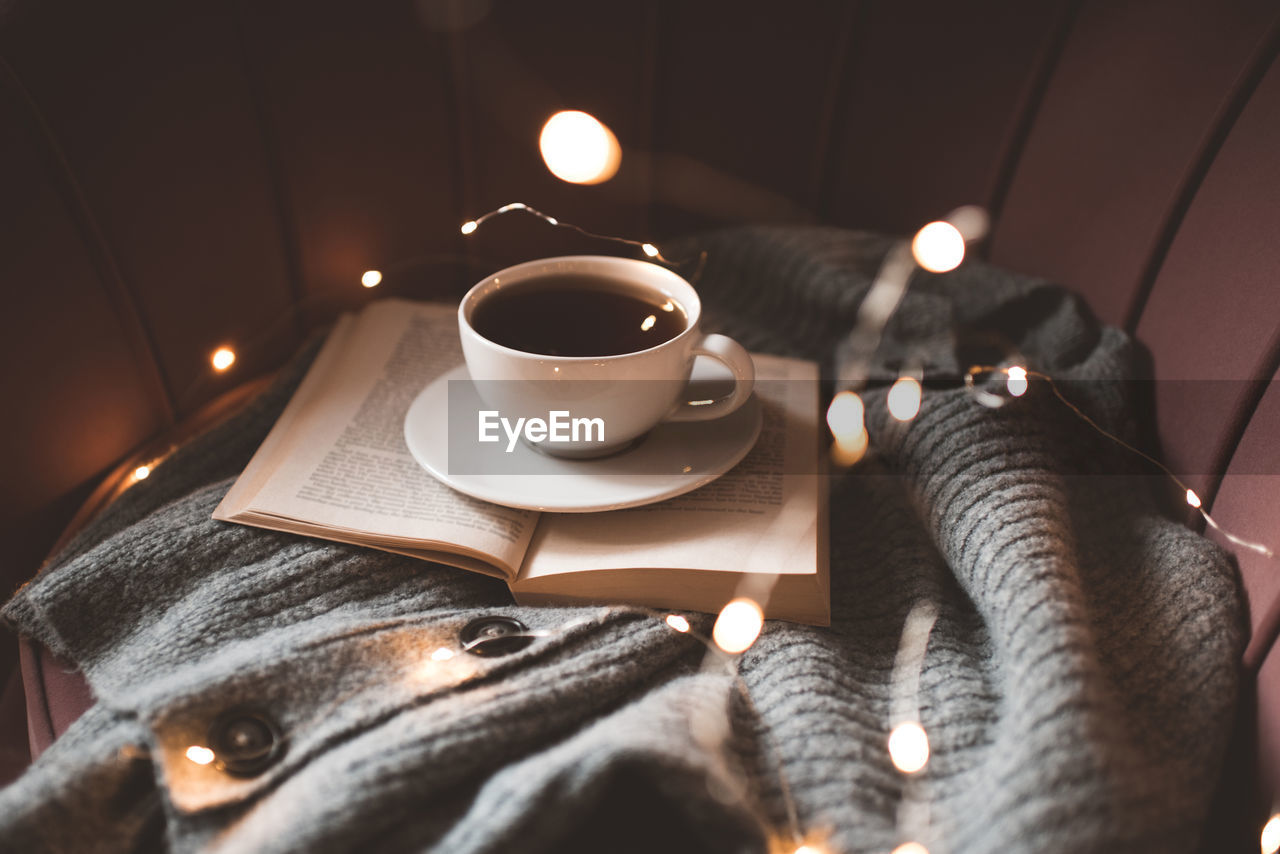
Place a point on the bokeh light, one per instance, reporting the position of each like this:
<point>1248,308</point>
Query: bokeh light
<point>738,626</point>
<point>578,148</point>
<point>904,398</point>
<point>845,414</point>
<point>1271,835</point>
<point>371,278</point>
<point>911,848</point>
<point>909,747</point>
<point>938,247</point>
<point>1017,383</point>
<point>677,622</point>
<point>200,755</point>
<point>222,358</point>
<point>846,419</point>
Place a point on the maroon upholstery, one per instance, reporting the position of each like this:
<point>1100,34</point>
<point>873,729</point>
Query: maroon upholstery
<point>1250,498</point>
<point>1135,99</point>
<point>178,178</point>
<point>1212,313</point>
<point>15,755</point>
<point>56,695</point>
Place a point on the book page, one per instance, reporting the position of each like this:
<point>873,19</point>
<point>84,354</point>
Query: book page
<point>336,464</point>
<point>762,517</point>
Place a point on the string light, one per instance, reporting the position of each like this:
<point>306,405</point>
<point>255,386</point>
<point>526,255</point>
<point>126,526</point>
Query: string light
<point>677,622</point>
<point>200,755</point>
<point>904,398</point>
<point>908,744</point>
<point>909,747</point>
<point>986,398</point>
<point>938,247</point>
<point>1270,841</point>
<point>579,148</point>
<point>442,654</point>
<point>222,358</point>
<point>371,278</point>
<point>141,473</point>
<point>649,249</point>
<point>738,626</point>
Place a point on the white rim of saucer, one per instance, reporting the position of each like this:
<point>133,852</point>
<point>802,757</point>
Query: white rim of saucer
<point>426,429</point>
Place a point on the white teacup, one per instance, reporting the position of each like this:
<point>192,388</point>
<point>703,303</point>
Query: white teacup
<point>628,393</point>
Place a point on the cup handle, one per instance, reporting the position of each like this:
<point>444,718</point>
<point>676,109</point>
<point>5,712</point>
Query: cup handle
<point>733,356</point>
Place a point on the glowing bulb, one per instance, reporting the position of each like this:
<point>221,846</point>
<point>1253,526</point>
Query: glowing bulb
<point>650,250</point>
<point>200,755</point>
<point>469,226</point>
<point>807,849</point>
<point>578,148</point>
<point>904,398</point>
<point>908,747</point>
<point>677,622</point>
<point>442,654</point>
<point>845,414</point>
<point>738,626</point>
<point>845,418</point>
<point>938,247</point>
<point>911,848</point>
<point>223,358</point>
<point>142,472</point>
<point>1017,381</point>
<point>848,450</point>
<point>647,323</point>
<point>1194,501</point>
<point>1271,835</point>
<point>371,278</point>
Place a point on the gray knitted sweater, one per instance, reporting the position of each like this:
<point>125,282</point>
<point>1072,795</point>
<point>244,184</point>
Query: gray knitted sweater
<point>1077,686</point>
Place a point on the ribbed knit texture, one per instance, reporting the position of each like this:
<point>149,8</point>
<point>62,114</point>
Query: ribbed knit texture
<point>1077,688</point>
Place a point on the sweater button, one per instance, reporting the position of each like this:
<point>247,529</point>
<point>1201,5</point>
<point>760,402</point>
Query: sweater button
<point>245,743</point>
<point>494,636</point>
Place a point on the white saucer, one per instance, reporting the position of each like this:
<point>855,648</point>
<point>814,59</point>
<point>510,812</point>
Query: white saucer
<point>672,459</point>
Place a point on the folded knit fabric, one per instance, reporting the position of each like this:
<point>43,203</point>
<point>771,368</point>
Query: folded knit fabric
<point>1077,687</point>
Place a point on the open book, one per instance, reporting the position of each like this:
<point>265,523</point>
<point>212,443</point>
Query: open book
<point>336,466</point>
